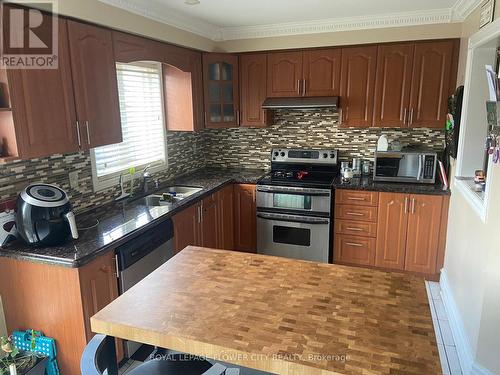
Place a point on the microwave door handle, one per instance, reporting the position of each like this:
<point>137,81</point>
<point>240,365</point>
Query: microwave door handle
<point>420,167</point>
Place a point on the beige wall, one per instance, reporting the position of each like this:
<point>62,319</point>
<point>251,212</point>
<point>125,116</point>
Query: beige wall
<point>452,30</point>
<point>103,14</point>
<point>472,261</point>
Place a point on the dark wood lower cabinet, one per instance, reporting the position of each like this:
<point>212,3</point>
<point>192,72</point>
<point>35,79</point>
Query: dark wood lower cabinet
<point>187,227</point>
<point>210,222</point>
<point>245,219</point>
<point>225,201</point>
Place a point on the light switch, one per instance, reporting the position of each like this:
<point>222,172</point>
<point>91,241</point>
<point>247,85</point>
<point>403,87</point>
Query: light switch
<point>73,179</point>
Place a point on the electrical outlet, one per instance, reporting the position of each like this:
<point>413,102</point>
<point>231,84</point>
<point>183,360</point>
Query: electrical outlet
<point>73,180</point>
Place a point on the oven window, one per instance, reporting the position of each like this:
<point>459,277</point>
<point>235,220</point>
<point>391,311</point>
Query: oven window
<point>291,201</point>
<point>291,236</point>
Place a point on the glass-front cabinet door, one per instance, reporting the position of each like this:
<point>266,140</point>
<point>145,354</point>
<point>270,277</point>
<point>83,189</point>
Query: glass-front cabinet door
<point>221,90</point>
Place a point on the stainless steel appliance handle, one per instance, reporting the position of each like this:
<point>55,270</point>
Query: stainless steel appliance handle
<point>78,137</point>
<point>70,218</point>
<point>291,219</point>
<point>295,191</point>
<point>420,167</point>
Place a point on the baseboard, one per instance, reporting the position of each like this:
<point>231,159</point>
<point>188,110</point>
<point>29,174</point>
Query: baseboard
<point>464,349</point>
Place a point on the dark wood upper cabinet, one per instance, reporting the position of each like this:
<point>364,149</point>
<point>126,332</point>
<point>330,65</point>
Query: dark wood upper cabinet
<point>95,84</point>
<point>393,85</point>
<point>220,72</point>
<point>358,86</point>
<point>43,118</point>
<point>284,74</point>
<point>253,80</point>
<point>434,78</point>
<point>321,72</point>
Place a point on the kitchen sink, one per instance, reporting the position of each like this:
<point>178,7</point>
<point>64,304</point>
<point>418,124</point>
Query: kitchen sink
<point>181,192</point>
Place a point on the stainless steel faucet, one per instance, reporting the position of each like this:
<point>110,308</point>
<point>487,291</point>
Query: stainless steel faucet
<point>146,176</point>
<point>123,194</point>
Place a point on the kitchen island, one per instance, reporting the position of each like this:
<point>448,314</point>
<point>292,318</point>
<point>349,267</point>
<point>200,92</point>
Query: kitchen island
<point>279,315</point>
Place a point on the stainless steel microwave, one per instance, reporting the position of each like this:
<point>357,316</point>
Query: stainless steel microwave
<point>405,166</point>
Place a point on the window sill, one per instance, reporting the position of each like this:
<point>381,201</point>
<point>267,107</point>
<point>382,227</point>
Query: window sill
<point>477,200</point>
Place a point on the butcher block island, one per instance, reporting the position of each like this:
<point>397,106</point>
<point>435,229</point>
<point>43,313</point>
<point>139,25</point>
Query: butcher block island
<point>279,315</point>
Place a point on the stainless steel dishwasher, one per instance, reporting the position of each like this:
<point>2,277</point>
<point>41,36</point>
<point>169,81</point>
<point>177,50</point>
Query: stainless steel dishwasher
<point>139,257</point>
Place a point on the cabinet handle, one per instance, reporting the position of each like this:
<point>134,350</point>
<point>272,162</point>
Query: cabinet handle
<point>341,115</point>
<point>413,205</point>
<point>355,199</point>
<point>78,137</point>
<point>354,214</point>
<point>355,229</point>
<point>304,87</point>
<point>410,121</point>
<point>200,217</point>
<point>405,115</point>
<point>298,86</point>
<point>406,205</point>
<point>88,132</point>
<point>354,244</point>
<point>205,116</point>
<point>116,266</point>
<point>238,117</point>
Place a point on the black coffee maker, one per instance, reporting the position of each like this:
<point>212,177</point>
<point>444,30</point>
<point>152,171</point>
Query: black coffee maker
<point>44,216</point>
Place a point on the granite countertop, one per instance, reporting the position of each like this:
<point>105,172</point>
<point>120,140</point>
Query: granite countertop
<point>367,183</point>
<point>113,224</point>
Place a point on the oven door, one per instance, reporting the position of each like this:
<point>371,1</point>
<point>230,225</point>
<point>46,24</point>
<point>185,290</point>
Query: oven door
<point>296,199</point>
<point>293,236</point>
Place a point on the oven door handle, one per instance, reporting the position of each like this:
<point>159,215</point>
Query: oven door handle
<point>312,194</point>
<point>293,220</point>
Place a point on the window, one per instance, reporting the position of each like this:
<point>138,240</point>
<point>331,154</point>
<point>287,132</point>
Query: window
<point>141,111</point>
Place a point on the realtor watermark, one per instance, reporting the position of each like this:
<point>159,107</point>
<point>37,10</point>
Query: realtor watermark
<point>29,37</point>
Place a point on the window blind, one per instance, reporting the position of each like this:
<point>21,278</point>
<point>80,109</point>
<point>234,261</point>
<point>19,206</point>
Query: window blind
<point>139,88</point>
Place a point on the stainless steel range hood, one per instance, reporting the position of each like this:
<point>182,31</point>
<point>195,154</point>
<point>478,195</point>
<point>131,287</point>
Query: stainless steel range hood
<point>301,103</point>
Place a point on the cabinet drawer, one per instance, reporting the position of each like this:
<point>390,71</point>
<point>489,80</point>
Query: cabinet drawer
<point>356,197</point>
<point>356,228</point>
<point>354,249</point>
<point>358,213</point>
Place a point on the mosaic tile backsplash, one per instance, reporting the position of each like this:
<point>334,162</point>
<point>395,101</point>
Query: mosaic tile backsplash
<point>242,147</point>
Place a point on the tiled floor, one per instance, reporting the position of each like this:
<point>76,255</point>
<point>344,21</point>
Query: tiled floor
<point>446,345</point>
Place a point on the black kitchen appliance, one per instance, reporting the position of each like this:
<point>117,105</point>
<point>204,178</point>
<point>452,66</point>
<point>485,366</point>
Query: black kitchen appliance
<point>44,216</point>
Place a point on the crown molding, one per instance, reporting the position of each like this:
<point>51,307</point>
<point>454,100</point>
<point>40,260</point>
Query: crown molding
<point>339,24</point>
<point>161,14</point>
<point>155,11</point>
<point>463,8</point>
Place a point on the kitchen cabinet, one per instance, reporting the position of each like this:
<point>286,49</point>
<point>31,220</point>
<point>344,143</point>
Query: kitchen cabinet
<point>187,229</point>
<point>245,219</point>
<point>70,297</point>
<point>434,79</point>
<point>391,235</point>
<point>321,72</point>
<point>220,72</point>
<point>253,81</point>
<point>41,119</point>
<point>423,233</point>
<point>95,83</point>
<point>225,201</point>
<point>393,84</point>
<point>99,287</point>
<point>210,222</point>
<point>314,72</point>
<point>357,86</point>
<point>409,231</point>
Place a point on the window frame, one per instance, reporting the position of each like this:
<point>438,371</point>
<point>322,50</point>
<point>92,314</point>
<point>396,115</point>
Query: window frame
<point>113,179</point>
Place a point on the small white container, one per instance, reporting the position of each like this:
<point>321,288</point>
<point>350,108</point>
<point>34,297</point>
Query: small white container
<point>382,143</point>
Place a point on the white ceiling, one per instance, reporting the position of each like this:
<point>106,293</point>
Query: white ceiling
<point>239,19</point>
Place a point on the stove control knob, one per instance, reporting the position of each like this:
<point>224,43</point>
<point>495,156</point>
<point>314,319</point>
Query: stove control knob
<point>282,154</point>
<point>325,155</point>
<point>332,156</point>
<point>276,153</point>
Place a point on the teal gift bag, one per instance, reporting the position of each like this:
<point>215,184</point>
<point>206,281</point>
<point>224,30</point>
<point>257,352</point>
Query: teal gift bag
<point>35,341</point>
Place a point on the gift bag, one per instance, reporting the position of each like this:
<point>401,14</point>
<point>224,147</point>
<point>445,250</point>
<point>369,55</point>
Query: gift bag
<point>35,341</point>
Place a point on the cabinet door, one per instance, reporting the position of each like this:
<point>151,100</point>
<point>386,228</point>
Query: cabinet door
<point>322,72</point>
<point>423,233</point>
<point>225,203</point>
<point>284,74</point>
<point>187,228</point>
<point>43,105</point>
<point>393,83</point>
<point>210,222</point>
<point>358,86</point>
<point>221,90</point>
<point>391,231</point>
<point>432,83</point>
<point>245,220</point>
<point>253,79</point>
<point>99,287</point>
<point>96,88</point>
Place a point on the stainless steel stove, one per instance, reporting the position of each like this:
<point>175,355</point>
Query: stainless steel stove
<point>294,204</point>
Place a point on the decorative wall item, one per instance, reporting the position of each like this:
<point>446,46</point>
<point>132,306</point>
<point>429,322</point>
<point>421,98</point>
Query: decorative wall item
<point>487,10</point>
